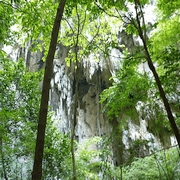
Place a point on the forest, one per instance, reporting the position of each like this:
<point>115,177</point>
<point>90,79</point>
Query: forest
<point>144,85</point>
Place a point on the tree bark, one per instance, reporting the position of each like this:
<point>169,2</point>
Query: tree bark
<point>74,123</point>
<point>163,96</point>
<point>139,15</point>
<point>37,167</point>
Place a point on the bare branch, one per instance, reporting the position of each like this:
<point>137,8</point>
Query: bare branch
<point>111,15</point>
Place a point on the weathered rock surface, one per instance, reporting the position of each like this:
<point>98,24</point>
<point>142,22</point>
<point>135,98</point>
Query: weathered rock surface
<point>91,121</point>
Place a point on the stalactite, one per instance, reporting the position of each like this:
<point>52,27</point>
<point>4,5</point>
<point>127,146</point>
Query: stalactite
<point>97,99</point>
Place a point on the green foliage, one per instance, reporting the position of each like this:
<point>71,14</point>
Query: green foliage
<point>94,28</point>
<point>34,23</point>
<point>161,165</point>
<point>91,34</point>
<point>7,21</point>
<point>34,20</point>
<point>167,34</point>
<point>165,50</point>
<point>56,152</point>
<point>86,156</point>
<point>19,108</point>
<point>169,70</point>
<point>168,8</point>
<point>129,87</point>
<point>168,60</point>
<point>19,101</point>
<point>128,82</point>
<point>92,162</point>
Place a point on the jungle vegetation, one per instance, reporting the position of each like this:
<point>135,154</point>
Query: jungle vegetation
<point>30,145</point>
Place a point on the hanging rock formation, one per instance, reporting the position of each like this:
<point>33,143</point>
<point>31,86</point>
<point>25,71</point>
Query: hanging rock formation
<point>94,77</point>
<point>91,121</point>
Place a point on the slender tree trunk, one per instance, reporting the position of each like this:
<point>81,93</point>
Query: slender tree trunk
<point>74,123</point>
<point>140,16</point>
<point>77,76</point>
<point>37,167</point>
<point>163,96</point>
<point>77,71</point>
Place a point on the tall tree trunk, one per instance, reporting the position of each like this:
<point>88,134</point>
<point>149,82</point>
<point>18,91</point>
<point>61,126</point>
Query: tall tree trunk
<point>74,123</point>
<point>77,77</point>
<point>37,167</point>
<point>139,17</point>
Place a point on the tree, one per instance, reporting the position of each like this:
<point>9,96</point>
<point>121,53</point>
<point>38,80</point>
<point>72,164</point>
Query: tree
<point>136,24</point>
<point>139,19</point>
<point>36,26</point>
<point>37,168</point>
<point>80,36</point>
<point>43,31</point>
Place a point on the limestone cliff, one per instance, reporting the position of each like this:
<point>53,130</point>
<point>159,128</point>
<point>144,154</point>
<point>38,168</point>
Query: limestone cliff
<point>91,121</point>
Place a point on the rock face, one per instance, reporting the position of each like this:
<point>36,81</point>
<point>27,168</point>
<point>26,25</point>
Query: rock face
<point>91,121</point>
<point>94,77</point>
